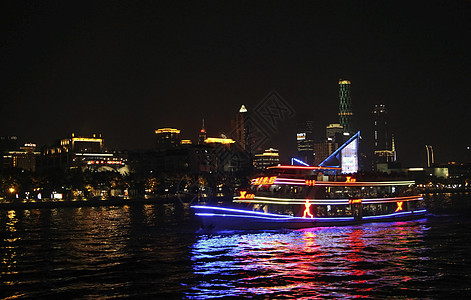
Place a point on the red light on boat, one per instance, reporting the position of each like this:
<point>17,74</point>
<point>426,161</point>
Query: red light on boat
<point>310,182</point>
<point>264,180</point>
<point>244,195</point>
<point>399,206</point>
<point>307,210</point>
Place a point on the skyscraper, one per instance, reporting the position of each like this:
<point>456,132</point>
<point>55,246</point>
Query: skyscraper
<point>305,142</point>
<point>240,129</point>
<point>384,148</point>
<point>334,137</point>
<point>202,135</point>
<point>345,106</point>
<point>382,139</point>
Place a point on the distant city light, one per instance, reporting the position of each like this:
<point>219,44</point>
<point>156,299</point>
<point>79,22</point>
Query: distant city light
<point>167,130</point>
<point>219,141</point>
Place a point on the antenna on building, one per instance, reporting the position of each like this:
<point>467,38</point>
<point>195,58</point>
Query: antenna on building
<point>393,147</point>
<point>430,157</point>
<point>202,135</point>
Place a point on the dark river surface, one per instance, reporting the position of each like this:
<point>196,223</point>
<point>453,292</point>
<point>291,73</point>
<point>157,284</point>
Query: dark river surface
<point>152,251</point>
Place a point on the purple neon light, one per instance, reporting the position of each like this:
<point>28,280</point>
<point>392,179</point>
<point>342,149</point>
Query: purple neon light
<point>269,216</point>
<point>296,181</point>
<point>280,218</point>
<point>239,211</point>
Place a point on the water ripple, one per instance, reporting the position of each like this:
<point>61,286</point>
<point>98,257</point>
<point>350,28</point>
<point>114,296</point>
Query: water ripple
<point>152,252</point>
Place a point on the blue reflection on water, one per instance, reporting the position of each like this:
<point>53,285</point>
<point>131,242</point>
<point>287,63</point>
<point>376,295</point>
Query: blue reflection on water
<point>347,262</point>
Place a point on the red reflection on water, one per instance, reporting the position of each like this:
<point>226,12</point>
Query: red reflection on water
<point>355,243</point>
<point>338,262</point>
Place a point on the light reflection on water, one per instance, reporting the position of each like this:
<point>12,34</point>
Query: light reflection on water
<point>152,251</point>
<point>346,262</point>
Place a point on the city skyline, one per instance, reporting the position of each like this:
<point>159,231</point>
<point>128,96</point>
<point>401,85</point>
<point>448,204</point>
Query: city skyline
<point>124,70</point>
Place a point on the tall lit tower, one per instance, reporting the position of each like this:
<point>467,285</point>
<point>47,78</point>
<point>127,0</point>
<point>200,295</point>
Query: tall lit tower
<point>430,157</point>
<point>240,129</point>
<point>345,106</point>
<point>202,135</point>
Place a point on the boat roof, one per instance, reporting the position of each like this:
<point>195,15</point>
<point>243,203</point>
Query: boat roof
<point>303,167</point>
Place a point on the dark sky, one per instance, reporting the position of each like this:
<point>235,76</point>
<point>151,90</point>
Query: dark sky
<point>124,68</point>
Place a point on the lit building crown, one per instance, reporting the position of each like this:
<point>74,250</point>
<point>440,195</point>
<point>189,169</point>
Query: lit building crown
<point>219,141</point>
<point>167,130</point>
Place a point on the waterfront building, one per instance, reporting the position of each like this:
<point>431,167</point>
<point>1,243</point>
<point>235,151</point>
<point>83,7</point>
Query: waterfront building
<point>167,138</point>
<point>345,106</point>
<point>305,142</point>
<point>24,158</point>
<point>85,153</point>
<point>270,157</point>
<point>83,144</point>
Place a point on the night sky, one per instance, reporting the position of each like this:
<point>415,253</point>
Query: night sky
<point>125,68</point>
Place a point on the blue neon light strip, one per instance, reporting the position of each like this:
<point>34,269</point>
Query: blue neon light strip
<point>299,162</point>
<point>335,219</point>
<point>336,152</point>
<point>239,211</point>
<point>280,218</point>
<point>269,216</point>
<point>274,200</point>
<point>258,214</point>
<point>395,214</point>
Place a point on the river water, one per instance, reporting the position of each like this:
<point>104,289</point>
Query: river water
<point>152,251</point>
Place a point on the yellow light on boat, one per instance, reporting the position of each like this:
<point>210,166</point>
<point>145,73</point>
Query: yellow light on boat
<point>350,179</point>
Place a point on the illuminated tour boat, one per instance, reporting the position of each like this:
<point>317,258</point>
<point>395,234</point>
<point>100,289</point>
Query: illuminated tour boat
<point>294,197</point>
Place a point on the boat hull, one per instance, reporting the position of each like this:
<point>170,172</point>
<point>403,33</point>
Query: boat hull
<point>214,219</point>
